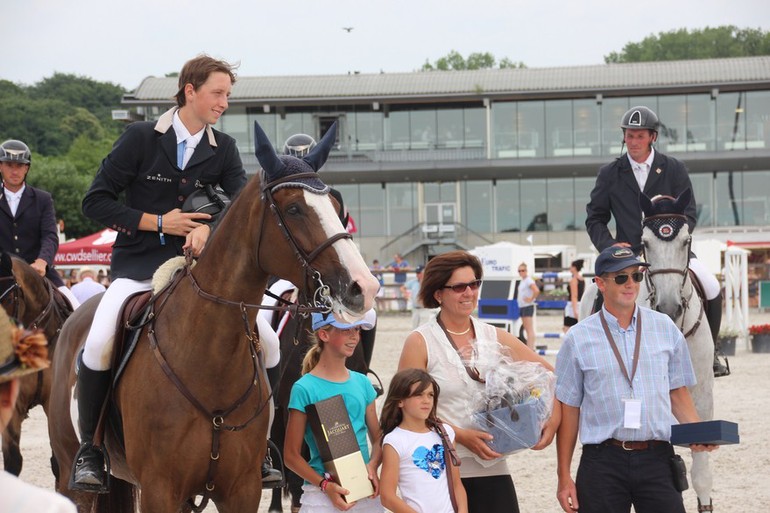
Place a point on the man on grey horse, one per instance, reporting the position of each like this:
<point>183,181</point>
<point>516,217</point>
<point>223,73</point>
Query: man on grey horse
<point>616,194</point>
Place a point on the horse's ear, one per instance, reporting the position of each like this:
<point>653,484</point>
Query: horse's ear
<point>265,152</point>
<point>320,153</point>
<point>646,204</point>
<point>683,200</point>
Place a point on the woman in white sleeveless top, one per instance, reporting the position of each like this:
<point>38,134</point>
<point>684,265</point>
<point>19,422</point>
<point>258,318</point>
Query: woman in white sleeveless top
<point>451,282</point>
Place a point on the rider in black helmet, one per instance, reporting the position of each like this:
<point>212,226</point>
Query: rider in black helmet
<point>27,218</point>
<point>616,194</point>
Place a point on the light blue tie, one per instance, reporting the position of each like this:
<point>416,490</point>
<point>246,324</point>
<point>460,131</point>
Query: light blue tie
<point>180,154</point>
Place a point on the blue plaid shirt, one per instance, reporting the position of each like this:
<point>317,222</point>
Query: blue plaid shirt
<point>589,377</point>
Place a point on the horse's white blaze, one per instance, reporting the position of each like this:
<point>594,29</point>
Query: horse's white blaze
<point>348,254</point>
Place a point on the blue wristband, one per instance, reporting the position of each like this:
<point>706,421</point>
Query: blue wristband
<point>160,230</point>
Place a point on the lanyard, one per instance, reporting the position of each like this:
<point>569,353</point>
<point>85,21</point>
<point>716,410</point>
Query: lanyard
<point>615,347</point>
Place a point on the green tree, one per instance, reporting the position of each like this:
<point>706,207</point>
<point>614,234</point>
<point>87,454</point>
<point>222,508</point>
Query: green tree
<point>708,43</point>
<point>36,122</point>
<point>99,98</point>
<point>455,61</point>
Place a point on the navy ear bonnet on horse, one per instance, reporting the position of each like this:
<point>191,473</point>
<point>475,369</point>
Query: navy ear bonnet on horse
<point>664,215</point>
<point>281,166</point>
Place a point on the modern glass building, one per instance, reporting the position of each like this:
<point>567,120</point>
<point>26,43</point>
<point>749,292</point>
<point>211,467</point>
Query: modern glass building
<point>433,160</point>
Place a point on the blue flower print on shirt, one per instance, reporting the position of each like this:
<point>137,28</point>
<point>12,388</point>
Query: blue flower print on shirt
<point>430,460</point>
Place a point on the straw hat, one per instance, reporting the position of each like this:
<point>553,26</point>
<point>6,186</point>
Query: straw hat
<point>21,352</point>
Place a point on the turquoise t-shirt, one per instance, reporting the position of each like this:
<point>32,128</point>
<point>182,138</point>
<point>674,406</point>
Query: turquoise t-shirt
<point>357,392</point>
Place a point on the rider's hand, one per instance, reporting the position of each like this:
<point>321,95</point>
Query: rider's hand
<point>40,266</point>
<point>196,239</point>
<point>176,222</point>
<point>621,245</point>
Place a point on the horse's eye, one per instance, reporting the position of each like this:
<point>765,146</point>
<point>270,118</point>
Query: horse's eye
<point>293,210</point>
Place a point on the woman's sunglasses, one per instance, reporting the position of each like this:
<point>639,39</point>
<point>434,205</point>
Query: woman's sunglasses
<point>620,279</point>
<point>460,287</point>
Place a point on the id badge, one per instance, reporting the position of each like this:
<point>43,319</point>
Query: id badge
<point>632,413</point>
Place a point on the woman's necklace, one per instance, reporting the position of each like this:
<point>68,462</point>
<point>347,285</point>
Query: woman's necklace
<point>458,333</point>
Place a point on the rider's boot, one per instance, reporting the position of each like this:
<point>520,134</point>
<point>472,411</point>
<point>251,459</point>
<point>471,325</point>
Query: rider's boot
<point>714,317</point>
<point>88,473</point>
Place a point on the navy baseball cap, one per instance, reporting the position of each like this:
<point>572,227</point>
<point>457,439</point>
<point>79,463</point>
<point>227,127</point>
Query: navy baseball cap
<point>320,320</point>
<point>614,259</point>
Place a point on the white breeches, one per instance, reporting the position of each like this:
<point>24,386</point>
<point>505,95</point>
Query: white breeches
<point>97,353</point>
<point>710,283</point>
<point>70,296</point>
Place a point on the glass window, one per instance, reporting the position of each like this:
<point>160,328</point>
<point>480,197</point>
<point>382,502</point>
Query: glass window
<point>731,121</point>
<point>477,205</point>
<point>368,132</point>
<point>397,131</point>
<point>700,122</point>
<point>475,128</point>
<point>560,204</point>
<point>450,128</point>
<point>758,119</point>
<point>423,132</point>
<point>507,214</point>
<point>533,206</point>
<point>673,123</point>
<point>439,192</point>
<point>585,119</point>
<point>612,135</point>
<point>558,128</point>
<point>402,209</point>
<point>756,202</point>
<point>504,130</point>
<point>728,198</point>
<point>269,126</point>
<point>531,129</point>
<point>702,188</point>
<point>294,123</point>
<point>235,124</point>
<point>371,206</point>
<point>583,188</point>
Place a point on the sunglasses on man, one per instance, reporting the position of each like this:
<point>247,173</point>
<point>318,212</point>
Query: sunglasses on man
<point>460,287</point>
<point>620,279</point>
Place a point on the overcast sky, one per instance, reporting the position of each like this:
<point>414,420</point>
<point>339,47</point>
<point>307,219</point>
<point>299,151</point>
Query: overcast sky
<point>123,42</point>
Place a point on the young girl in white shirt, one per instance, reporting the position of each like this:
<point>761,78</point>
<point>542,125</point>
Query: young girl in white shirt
<point>413,452</point>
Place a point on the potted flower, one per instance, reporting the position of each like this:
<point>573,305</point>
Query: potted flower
<point>760,338</point>
<point>726,341</point>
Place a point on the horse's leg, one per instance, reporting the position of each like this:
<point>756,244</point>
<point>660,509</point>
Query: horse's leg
<point>702,479</point>
<point>701,353</point>
<point>12,459</point>
<point>246,499</point>
<point>276,501</point>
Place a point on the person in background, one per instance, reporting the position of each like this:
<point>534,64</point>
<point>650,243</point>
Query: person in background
<point>616,195</point>
<point>575,289</point>
<point>411,291</point>
<point>376,268</point>
<point>139,191</point>
<point>22,353</point>
<point>622,406</point>
<point>325,375</point>
<point>416,449</point>
<point>27,218</point>
<point>526,294</point>
<point>441,347</point>
<point>87,287</point>
<point>399,267</point>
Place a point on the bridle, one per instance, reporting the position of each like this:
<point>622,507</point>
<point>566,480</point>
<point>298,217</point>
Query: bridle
<point>669,220</point>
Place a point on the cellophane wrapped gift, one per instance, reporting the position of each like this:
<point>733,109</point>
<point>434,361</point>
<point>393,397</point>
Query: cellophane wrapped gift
<point>516,400</point>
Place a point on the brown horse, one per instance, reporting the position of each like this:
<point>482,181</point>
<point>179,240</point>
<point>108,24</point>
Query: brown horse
<point>34,302</point>
<point>193,396</point>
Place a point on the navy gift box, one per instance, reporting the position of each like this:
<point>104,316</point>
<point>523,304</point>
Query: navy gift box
<point>710,432</point>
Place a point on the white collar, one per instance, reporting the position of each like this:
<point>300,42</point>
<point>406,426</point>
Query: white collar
<point>648,161</point>
<point>14,195</point>
<point>182,134</point>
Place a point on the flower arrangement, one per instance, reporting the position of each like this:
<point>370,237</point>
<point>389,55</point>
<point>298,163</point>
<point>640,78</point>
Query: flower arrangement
<point>759,329</point>
<point>728,332</point>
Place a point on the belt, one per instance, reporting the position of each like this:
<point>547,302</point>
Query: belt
<point>634,446</point>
